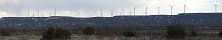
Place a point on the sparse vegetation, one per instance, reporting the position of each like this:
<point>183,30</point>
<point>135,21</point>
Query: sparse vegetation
<point>56,33</point>
<point>175,31</point>
<point>88,31</point>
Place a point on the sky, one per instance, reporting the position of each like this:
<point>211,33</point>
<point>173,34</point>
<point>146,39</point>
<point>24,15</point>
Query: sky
<point>92,8</point>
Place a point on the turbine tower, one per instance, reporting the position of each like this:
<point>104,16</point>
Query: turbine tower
<point>79,13</point>
<point>122,11</point>
<point>215,8</point>
<point>101,12</point>
<point>147,2</point>
<point>134,11</point>
<point>158,9</point>
<point>184,7</point>
<point>130,13</point>
<point>50,14</point>
<point>146,10</point>
<point>38,12</point>
<point>171,9</point>
<point>33,15</point>
<point>28,12</point>
<point>42,15</point>
<point>55,12</point>
<point>111,13</point>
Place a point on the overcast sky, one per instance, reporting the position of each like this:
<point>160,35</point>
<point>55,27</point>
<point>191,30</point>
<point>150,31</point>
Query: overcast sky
<point>91,8</point>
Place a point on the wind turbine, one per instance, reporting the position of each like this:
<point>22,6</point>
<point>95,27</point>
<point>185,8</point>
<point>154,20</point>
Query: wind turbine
<point>130,12</point>
<point>50,12</point>
<point>33,15</point>
<point>122,11</point>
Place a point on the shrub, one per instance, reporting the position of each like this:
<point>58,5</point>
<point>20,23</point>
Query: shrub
<point>5,33</point>
<point>175,32</point>
<point>56,33</point>
<point>193,33</point>
<point>88,31</point>
<point>220,34</point>
<point>129,34</point>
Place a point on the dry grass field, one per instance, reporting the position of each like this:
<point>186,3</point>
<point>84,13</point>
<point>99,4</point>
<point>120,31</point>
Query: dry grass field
<point>114,35</point>
<point>73,38</point>
<point>108,38</point>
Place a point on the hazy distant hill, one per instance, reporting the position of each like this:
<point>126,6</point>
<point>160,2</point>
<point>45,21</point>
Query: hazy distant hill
<point>197,20</point>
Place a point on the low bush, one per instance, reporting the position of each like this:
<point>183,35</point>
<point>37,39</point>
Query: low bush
<point>5,33</point>
<point>193,33</point>
<point>129,34</point>
<point>88,31</point>
<point>175,31</point>
<point>56,33</point>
